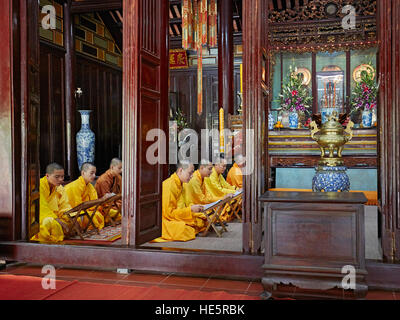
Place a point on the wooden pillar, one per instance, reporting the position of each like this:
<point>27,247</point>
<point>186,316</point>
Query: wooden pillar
<point>225,56</point>
<point>255,31</point>
<point>70,87</point>
<point>389,126</point>
<point>6,161</point>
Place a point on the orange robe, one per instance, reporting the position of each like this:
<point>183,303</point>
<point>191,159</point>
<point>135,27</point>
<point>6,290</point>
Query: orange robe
<point>78,191</point>
<point>179,223</point>
<point>108,183</point>
<point>235,176</point>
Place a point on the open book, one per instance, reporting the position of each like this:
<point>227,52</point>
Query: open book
<point>206,207</point>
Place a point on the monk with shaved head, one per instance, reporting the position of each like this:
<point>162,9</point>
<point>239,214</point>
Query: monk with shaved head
<point>82,190</point>
<point>180,222</point>
<point>111,182</point>
<point>53,204</point>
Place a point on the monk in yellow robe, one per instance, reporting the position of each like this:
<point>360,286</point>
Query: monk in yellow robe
<point>53,204</point>
<point>82,190</point>
<point>235,175</point>
<point>195,191</point>
<point>218,187</point>
<point>179,222</point>
<point>111,182</point>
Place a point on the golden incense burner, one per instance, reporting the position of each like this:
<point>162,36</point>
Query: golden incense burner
<point>331,140</point>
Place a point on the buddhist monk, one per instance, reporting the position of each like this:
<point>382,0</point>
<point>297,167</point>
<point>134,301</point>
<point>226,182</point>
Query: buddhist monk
<point>216,183</point>
<point>195,192</point>
<point>53,204</point>
<point>218,187</point>
<point>179,222</point>
<point>82,190</point>
<point>235,176</point>
<point>111,182</point>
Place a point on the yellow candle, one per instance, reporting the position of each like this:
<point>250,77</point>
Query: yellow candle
<point>221,130</point>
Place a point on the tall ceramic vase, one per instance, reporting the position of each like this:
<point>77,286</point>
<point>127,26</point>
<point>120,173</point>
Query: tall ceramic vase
<point>85,139</point>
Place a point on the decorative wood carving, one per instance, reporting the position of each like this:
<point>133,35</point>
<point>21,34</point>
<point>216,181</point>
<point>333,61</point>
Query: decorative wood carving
<point>315,10</point>
<point>311,29</point>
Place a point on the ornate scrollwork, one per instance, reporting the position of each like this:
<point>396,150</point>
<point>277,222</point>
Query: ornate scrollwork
<point>315,10</point>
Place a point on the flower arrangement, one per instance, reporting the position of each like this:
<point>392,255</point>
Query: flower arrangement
<point>295,96</point>
<point>364,96</point>
<point>180,119</point>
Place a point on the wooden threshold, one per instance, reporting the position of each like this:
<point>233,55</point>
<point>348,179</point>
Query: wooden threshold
<point>229,265</point>
<point>233,265</point>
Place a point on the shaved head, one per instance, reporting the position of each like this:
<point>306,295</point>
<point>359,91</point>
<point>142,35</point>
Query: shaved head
<point>87,166</point>
<point>184,164</point>
<point>115,162</point>
<point>53,167</point>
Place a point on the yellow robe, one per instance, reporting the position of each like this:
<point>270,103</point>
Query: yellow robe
<point>218,187</point>
<point>53,204</point>
<point>78,191</point>
<point>179,223</point>
<point>195,192</point>
<point>235,176</point>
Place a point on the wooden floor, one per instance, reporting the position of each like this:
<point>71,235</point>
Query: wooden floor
<point>211,283</point>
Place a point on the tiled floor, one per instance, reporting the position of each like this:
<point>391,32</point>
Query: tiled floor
<point>251,288</point>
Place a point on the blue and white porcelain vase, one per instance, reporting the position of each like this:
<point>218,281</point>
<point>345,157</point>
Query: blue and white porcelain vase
<point>331,179</point>
<point>85,139</point>
<point>271,121</point>
<point>293,120</point>
<point>367,119</point>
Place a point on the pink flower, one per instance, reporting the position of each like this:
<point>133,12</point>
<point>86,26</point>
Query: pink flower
<point>294,93</point>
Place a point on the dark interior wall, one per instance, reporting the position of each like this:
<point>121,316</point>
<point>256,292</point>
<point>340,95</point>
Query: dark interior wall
<point>52,107</point>
<point>102,93</point>
<point>183,82</point>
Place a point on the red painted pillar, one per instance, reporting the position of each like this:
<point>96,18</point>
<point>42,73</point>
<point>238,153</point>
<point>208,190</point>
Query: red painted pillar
<point>225,57</point>
<point>6,105</point>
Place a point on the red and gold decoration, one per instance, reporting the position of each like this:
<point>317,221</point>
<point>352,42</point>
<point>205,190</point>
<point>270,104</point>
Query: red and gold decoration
<point>199,29</point>
<point>178,59</point>
<point>221,131</point>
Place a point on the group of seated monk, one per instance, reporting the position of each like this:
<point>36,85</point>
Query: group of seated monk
<point>56,199</point>
<point>186,191</point>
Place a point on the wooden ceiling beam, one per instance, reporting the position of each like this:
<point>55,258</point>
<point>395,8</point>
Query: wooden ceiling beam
<point>85,6</point>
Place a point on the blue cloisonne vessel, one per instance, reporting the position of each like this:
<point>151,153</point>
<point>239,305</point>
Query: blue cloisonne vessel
<point>367,118</point>
<point>85,140</point>
<point>331,179</point>
<point>293,120</point>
